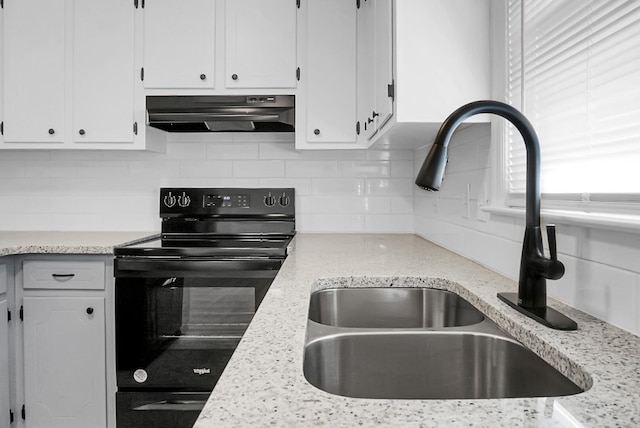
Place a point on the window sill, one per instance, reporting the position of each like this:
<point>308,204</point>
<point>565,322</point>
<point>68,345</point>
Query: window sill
<point>620,222</point>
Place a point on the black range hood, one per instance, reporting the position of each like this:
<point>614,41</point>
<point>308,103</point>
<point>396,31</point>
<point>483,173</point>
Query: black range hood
<point>222,113</point>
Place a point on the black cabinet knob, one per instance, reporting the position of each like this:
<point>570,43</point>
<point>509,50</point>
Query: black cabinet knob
<point>81,132</point>
<point>316,131</point>
<point>203,77</point>
<point>234,76</point>
<point>89,310</point>
<point>51,131</point>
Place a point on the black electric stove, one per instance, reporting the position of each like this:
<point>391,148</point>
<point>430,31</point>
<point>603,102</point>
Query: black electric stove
<point>184,298</point>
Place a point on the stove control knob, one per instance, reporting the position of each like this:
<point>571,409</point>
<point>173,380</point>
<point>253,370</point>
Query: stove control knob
<point>169,200</point>
<point>284,200</point>
<point>184,200</point>
<point>269,200</point>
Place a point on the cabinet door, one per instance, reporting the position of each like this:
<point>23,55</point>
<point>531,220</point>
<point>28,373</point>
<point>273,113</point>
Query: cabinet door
<point>331,71</point>
<point>4,361</point>
<point>64,362</point>
<point>366,69</point>
<point>260,44</point>
<point>34,71</point>
<point>384,61</point>
<point>179,43</point>
<point>103,83</point>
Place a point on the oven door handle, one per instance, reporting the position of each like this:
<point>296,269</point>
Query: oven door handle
<point>246,268</point>
<point>173,406</point>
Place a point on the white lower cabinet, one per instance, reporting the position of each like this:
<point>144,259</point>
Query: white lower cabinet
<point>5,404</point>
<point>59,360</point>
<point>64,362</point>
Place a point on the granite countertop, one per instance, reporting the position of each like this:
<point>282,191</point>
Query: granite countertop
<point>45,242</point>
<point>263,385</point>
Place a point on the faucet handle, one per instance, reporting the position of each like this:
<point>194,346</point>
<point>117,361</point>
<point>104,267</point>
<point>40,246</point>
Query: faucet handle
<point>551,237</point>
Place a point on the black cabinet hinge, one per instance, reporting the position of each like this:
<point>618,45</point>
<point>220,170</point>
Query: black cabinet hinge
<point>298,74</point>
<point>358,127</point>
<point>21,313</point>
<point>391,90</point>
<point>23,412</point>
<point>142,74</point>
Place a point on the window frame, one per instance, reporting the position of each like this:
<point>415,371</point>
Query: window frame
<point>608,210</point>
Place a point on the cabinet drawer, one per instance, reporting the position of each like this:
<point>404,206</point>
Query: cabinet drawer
<point>71,275</point>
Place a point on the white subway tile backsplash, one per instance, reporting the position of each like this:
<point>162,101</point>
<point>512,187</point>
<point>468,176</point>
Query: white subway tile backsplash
<point>185,150</point>
<point>205,168</point>
<point>338,186</point>
<point>364,169</point>
<point>402,169</point>
<point>233,150</point>
<point>312,168</point>
<point>12,168</point>
<point>389,187</point>
<point>277,151</point>
<point>259,168</point>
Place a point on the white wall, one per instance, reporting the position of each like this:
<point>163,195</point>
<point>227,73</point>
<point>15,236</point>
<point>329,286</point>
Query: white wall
<point>602,266</point>
<point>337,191</point>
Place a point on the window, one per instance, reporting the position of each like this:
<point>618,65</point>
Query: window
<point>573,68</point>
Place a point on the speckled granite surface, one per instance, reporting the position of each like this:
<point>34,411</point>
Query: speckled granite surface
<point>42,242</point>
<point>264,385</point>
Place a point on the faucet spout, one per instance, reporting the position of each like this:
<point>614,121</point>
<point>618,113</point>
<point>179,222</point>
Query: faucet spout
<point>535,268</point>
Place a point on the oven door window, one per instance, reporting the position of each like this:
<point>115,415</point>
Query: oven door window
<point>179,332</point>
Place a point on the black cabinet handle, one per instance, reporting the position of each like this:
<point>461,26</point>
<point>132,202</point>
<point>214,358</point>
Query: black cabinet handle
<point>51,131</point>
<point>81,132</point>
<point>63,275</point>
<point>203,76</point>
<point>234,76</point>
<point>89,310</point>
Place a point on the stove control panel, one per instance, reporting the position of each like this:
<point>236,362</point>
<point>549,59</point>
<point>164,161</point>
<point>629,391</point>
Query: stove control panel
<point>184,202</point>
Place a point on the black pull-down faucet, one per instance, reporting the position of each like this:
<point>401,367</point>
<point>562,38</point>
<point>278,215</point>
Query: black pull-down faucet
<point>535,268</point>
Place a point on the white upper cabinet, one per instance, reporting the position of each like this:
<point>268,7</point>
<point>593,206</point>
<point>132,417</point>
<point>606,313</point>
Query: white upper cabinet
<point>69,75</point>
<point>326,111</point>
<point>383,48</point>
<point>179,44</point>
<point>34,71</point>
<point>219,45</point>
<point>375,67</point>
<point>260,44</point>
<point>441,60</point>
<point>103,77</point>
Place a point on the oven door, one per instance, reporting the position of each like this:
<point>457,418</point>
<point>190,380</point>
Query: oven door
<point>179,321</point>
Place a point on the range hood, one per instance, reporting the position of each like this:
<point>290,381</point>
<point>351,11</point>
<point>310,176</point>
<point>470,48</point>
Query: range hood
<point>222,113</point>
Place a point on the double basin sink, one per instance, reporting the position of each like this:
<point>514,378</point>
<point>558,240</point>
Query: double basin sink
<point>418,343</point>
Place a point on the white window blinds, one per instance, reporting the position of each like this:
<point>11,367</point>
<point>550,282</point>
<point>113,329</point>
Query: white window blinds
<point>579,85</point>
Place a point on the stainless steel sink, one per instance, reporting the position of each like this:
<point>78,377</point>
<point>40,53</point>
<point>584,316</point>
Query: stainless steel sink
<point>428,365</point>
<point>418,343</point>
<point>391,307</point>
